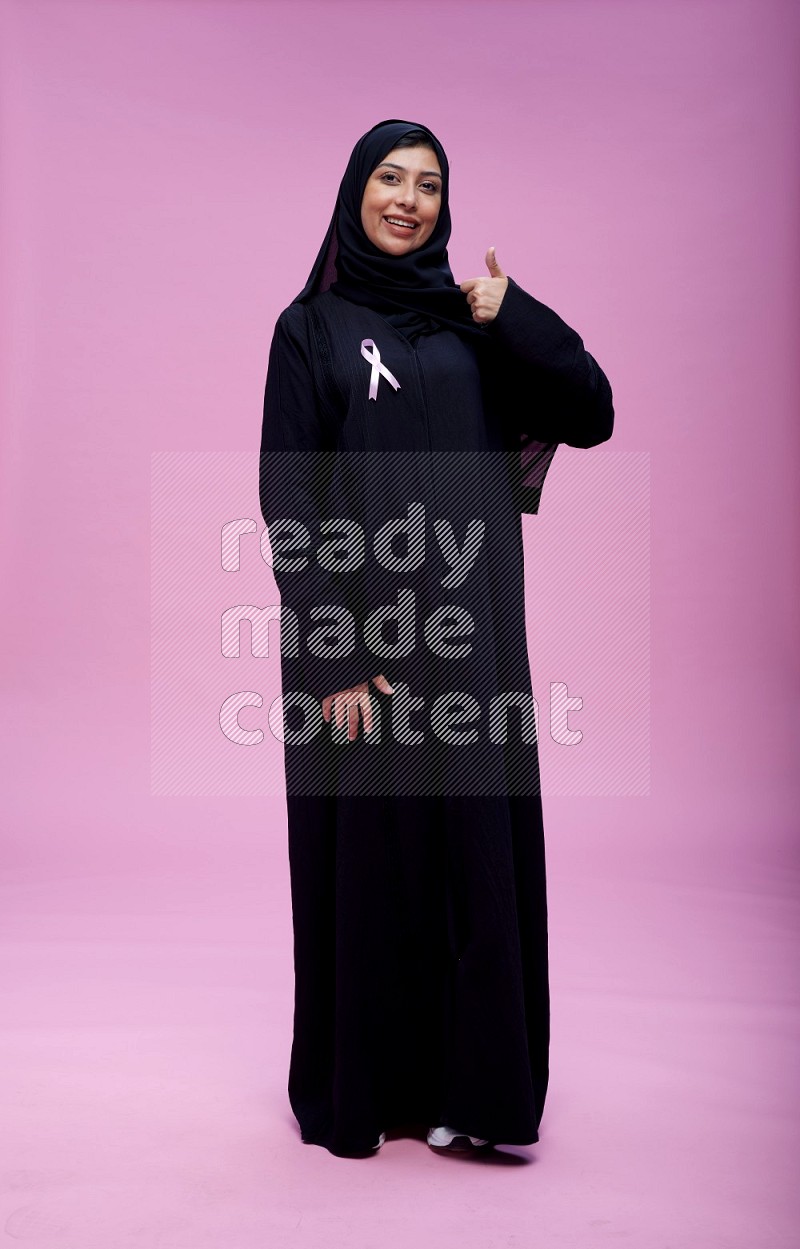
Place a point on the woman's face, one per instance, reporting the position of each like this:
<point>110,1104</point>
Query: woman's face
<point>405,186</point>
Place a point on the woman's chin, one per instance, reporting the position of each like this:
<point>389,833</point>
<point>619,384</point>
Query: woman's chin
<point>395,246</point>
<point>390,240</point>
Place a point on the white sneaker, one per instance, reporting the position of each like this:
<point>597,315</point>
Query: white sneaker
<point>443,1137</point>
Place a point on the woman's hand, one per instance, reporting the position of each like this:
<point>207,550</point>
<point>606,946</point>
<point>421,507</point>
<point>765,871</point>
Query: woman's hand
<point>485,295</point>
<point>348,702</point>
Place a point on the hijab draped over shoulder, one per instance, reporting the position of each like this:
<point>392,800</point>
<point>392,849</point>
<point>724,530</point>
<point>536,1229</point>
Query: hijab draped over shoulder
<point>416,292</point>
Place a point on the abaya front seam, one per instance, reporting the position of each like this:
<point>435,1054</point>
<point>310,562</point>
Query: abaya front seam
<point>420,918</point>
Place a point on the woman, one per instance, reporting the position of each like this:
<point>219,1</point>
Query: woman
<point>399,403</point>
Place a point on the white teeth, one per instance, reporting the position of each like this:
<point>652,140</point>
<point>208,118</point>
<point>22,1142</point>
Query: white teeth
<point>395,222</point>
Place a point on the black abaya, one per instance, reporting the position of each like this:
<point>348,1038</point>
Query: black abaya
<point>417,874</point>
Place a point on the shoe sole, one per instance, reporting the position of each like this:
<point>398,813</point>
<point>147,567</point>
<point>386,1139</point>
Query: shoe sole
<point>459,1145</point>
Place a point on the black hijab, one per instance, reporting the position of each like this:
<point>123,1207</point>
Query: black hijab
<point>416,292</point>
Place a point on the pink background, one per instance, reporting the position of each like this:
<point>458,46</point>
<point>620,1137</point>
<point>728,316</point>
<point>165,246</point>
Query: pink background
<point>168,170</point>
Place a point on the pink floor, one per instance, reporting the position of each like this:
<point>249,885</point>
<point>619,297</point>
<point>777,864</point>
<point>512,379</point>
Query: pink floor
<point>146,1035</point>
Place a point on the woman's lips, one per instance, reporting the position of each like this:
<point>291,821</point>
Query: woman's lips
<point>390,225</point>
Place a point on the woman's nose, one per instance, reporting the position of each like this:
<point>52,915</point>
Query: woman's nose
<point>407,196</point>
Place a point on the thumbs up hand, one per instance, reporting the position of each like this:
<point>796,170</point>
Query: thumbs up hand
<point>485,295</point>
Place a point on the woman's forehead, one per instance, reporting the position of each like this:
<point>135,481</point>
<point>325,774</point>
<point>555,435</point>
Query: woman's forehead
<point>421,158</point>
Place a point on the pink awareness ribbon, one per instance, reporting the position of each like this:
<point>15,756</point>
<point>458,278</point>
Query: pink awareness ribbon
<point>374,358</point>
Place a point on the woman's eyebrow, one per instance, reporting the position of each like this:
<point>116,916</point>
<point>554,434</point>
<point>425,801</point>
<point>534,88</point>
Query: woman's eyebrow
<point>428,173</point>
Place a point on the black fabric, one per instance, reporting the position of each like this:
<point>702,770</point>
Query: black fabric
<point>419,916</point>
<point>417,292</point>
<point>421,968</point>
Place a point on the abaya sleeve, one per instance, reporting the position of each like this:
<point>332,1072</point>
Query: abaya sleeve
<point>555,387</point>
<point>299,503</point>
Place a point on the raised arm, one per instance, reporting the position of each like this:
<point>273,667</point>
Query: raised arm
<point>558,388</point>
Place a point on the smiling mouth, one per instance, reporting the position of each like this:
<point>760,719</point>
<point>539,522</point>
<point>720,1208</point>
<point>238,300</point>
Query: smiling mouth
<point>404,225</point>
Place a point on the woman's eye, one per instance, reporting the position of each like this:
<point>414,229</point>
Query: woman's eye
<point>429,186</point>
